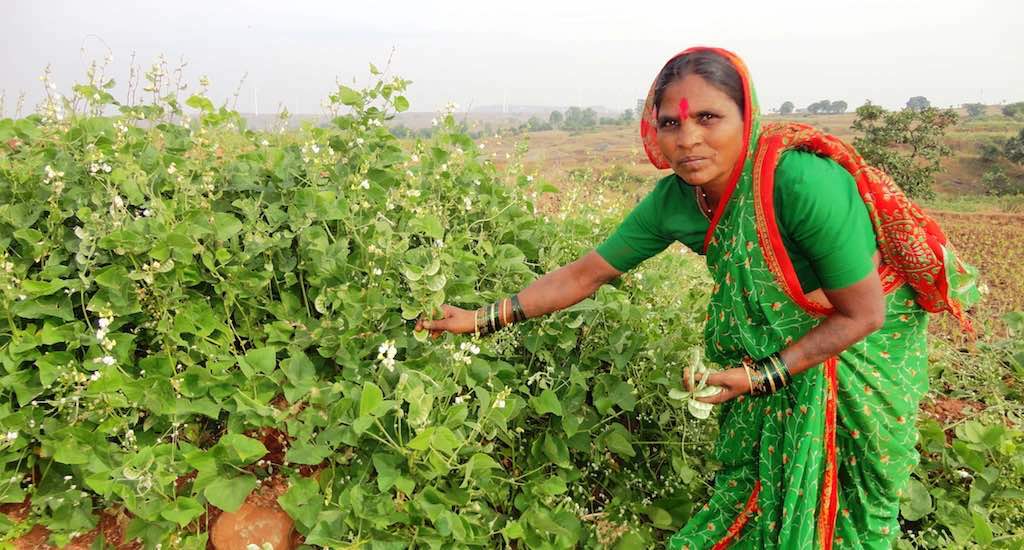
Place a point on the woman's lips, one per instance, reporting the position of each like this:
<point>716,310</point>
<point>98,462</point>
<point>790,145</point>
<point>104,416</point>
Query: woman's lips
<point>691,162</point>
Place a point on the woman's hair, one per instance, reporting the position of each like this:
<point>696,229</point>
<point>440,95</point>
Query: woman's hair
<point>710,66</point>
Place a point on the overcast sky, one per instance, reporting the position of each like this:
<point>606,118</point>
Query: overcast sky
<point>531,52</point>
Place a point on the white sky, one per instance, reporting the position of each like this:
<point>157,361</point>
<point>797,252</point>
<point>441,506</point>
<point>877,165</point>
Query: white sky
<point>549,52</point>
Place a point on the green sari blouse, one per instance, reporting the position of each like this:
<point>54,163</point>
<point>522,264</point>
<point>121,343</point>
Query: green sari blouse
<point>823,221</point>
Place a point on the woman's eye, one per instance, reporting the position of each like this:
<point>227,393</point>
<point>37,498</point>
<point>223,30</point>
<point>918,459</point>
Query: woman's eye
<point>706,117</point>
<point>669,123</point>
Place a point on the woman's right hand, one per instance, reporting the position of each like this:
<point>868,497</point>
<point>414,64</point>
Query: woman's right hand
<point>455,320</point>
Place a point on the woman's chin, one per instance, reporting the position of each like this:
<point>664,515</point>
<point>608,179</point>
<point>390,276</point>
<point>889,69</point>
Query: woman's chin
<point>692,178</point>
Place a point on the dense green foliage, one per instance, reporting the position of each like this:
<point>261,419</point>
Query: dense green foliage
<point>171,289</point>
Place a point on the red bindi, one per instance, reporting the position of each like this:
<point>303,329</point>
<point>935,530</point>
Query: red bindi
<point>684,110</point>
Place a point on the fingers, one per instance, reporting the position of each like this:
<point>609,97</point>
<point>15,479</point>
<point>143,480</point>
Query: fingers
<point>722,396</point>
<point>717,379</point>
<point>686,379</point>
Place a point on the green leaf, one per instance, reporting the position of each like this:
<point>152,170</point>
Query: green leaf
<point>261,360</point>
<point>199,102</point>
<point>302,502</point>
<point>225,226</point>
<point>302,452</point>
<point>299,370</point>
<point>982,529</point>
<point>70,451</point>
<point>916,502</point>
<point>370,399</point>
<point>228,494</point>
<point>546,402</point>
<point>184,511</point>
<point>349,97</point>
<point>401,104</point>
<point>553,485</point>
<point>659,517</point>
<point>240,450</point>
<point>618,440</point>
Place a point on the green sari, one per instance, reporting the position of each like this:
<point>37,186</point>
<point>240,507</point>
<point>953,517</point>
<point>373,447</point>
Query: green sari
<point>821,463</point>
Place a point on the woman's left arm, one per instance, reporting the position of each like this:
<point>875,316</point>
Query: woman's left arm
<point>858,310</point>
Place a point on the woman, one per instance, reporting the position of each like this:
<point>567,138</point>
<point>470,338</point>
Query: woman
<point>822,279</point>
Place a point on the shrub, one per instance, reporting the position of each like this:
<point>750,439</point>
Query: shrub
<point>174,292</point>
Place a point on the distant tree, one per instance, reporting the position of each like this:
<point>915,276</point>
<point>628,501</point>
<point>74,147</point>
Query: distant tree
<point>908,144</point>
<point>400,131</point>
<point>627,116</point>
<point>536,124</point>
<point>996,182</point>
<point>817,107</point>
<point>555,118</point>
<point>1014,110</point>
<point>589,118</point>
<point>1013,149</point>
<point>975,110</point>
<point>786,108</point>
<point>991,149</point>
<point>837,107</point>
<point>608,121</point>
<point>918,103</point>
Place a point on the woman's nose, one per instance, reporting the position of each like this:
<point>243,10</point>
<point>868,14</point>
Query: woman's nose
<point>688,135</point>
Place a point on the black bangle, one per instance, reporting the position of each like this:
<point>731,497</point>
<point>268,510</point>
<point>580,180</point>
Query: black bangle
<point>518,315</point>
<point>769,375</point>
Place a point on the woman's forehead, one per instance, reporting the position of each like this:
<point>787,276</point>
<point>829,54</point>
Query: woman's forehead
<point>694,92</point>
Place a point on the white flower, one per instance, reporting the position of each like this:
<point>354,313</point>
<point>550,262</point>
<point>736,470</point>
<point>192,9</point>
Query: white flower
<point>458,399</point>
<point>147,213</point>
<point>172,169</point>
<point>377,271</point>
<point>482,146</point>
<point>467,202</point>
<point>264,143</point>
<point>365,184</point>
<point>315,148</point>
<point>439,243</point>
<point>433,122</point>
<point>106,360</point>
<point>94,376</point>
<point>529,178</point>
<point>101,334</point>
<point>415,157</point>
<point>386,354</point>
<point>359,141</point>
<point>118,201</point>
<point>67,478</point>
<point>11,436</point>
<point>104,322</point>
<point>499,403</point>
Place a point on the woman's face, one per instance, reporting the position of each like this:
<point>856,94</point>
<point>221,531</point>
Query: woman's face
<point>700,132</point>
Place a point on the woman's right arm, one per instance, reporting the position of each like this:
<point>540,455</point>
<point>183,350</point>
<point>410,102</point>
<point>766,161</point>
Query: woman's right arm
<point>556,290</point>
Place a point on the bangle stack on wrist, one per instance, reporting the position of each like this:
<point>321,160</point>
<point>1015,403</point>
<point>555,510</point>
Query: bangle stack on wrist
<point>498,315</point>
<point>768,375</point>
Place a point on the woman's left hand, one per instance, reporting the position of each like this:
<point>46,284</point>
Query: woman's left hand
<point>734,382</point>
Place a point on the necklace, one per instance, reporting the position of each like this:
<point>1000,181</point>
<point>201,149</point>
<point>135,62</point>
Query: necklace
<point>702,202</point>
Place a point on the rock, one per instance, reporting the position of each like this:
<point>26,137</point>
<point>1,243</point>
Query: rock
<point>256,523</point>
